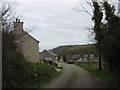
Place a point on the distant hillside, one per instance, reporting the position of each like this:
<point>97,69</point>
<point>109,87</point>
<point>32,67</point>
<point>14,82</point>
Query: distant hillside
<point>75,49</point>
<point>62,49</point>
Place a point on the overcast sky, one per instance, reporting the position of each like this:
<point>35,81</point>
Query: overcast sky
<point>57,23</point>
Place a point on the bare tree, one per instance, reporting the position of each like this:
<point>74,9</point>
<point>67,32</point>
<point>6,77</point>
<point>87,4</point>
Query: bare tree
<point>7,15</point>
<point>6,11</point>
<point>83,9</point>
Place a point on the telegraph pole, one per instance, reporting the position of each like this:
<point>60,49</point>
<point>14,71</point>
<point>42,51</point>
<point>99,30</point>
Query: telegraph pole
<point>88,55</point>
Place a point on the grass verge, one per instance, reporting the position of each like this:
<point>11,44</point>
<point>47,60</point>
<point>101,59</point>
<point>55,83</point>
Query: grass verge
<point>106,78</point>
<point>44,81</point>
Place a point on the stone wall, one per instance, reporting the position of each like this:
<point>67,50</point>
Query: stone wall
<point>28,45</point>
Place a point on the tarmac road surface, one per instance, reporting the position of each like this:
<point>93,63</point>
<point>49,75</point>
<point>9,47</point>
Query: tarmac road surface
<point>73,76</point>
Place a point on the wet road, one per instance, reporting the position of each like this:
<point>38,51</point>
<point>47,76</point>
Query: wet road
<point>73,76</point>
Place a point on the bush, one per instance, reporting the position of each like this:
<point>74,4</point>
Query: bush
<point>43,70</point>
<point>20,73</point>
<point>17,72</point>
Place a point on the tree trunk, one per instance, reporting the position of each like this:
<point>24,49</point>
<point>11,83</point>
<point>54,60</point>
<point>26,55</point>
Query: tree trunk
<point>100,60</point>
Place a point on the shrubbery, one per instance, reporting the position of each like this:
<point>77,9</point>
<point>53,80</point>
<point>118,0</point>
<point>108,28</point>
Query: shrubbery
<point>17,72</point>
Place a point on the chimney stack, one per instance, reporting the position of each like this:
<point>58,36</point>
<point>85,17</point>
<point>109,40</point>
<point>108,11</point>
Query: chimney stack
<point>18,25</point>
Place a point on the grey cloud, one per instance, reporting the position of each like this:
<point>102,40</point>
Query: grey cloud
<point>57,24</point>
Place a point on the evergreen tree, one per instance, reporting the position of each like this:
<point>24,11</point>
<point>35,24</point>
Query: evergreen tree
<point>97,18</point>
<point>107,35</point>
<point>111,46</point>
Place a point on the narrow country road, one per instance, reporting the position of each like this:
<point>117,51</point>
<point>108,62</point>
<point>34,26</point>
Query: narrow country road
<point>73,76</point>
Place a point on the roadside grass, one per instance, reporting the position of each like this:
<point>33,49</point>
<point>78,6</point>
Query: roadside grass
<point>27,75</point>
<point>105,77</point>
<point>39,84</point>
<point>43,74</point>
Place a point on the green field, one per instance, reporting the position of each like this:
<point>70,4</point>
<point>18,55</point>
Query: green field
<point>76,49</point>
